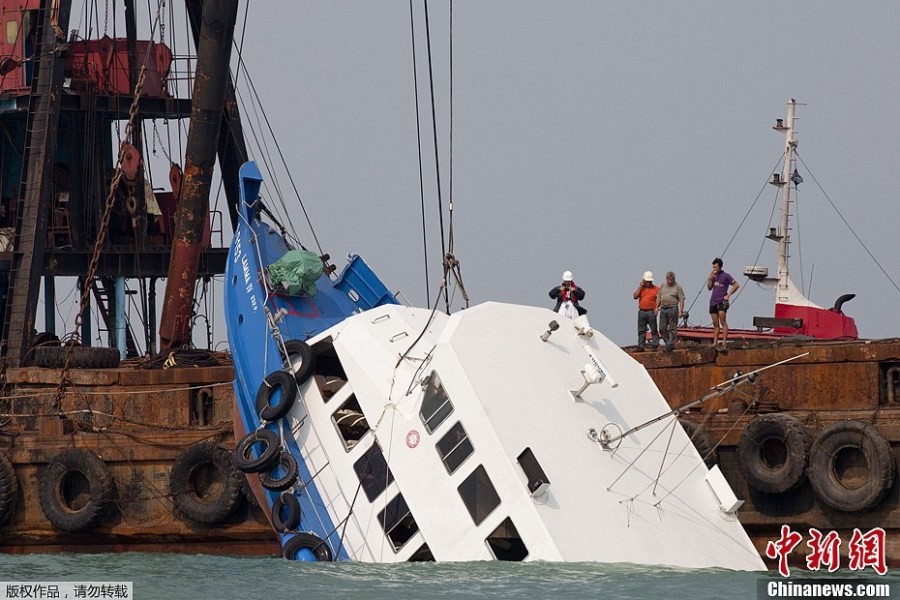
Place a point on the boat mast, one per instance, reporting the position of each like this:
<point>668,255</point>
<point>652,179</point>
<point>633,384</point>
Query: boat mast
<point>786,290</point>
<point>785,183</point>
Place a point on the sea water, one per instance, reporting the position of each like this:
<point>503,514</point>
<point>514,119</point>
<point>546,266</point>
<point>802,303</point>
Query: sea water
<point>176,577</point>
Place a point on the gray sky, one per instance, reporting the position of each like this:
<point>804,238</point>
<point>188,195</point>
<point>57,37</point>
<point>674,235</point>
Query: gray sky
<point>607,138</point>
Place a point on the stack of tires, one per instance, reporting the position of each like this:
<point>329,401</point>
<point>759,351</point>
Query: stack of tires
<point>263,452</point>
<point>849,465</point>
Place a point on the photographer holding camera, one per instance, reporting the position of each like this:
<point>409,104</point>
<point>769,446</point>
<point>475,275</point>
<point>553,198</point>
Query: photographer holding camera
<point>568,292</point>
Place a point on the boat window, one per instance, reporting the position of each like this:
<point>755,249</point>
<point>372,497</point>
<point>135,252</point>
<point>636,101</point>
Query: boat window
<point>397,522</point>
<point>328,372</point>
<point>537,479</point>
<point>350,422</point>
<point>436,405</point>
<point>505,542</point>
<point>454,447</point>
<point>373,472</point>
<point>479,495</point>
<point>423,554</point>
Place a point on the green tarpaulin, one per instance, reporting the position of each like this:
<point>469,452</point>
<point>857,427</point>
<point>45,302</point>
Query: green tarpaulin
<point>297,271</point>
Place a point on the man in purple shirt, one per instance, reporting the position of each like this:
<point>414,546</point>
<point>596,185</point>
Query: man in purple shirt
<point>723,286</point>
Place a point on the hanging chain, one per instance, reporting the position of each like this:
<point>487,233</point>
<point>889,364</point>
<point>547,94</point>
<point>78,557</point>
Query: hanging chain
<point>106,18</point>
<point>104,225</point>
<point>162,144</point>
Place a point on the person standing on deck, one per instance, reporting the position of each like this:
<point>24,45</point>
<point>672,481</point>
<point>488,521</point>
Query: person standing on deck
<point>670,307</point>
<point>646,294</point>
<point>723,286</point>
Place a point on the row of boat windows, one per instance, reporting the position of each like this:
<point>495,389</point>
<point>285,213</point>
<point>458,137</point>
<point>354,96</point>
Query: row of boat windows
<point>477,492</point>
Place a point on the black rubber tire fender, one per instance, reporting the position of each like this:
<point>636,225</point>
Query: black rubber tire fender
<point>826,469</point>
<point>83,357</point>
<point>699,436</point>
<point>204,483</point>
<point>783,436</point>
<point>288,502</point>
<point>68,469</point>
<point>291,472</point>
<point>300,359</point>
<point>243,452</point>
<point>273,383</point>
<point>308,540</point>
<point>9,487</point>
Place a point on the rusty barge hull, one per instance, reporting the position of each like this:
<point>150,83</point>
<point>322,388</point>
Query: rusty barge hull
<point>140,424</point>
<point>836,384</point>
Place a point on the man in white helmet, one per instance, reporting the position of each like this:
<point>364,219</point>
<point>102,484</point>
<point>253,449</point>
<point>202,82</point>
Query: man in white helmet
<point>568,292</point>
<point>646,294</point>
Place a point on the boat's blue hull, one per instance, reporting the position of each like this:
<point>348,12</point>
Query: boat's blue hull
<point>256,317</point>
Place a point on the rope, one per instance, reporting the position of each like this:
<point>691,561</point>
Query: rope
<point>454,264</point>
<point>280,155</point>
<point>437,163</point>
<point>451,265</point>
<point>872,256</point>
<point>412,31</point>
<point>89,411</point>
<point>734,235</point>
<point>106,393</point>
<point>424,327</point>
<point>184,357</point>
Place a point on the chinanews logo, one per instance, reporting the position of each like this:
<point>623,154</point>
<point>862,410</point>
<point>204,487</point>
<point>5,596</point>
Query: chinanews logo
<point>863,551</point>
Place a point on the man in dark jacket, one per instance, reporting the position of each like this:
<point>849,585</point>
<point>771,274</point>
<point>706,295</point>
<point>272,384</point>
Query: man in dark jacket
<point>568,292</point>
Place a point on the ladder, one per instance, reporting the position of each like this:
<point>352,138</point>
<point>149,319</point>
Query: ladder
<point>36,189</point>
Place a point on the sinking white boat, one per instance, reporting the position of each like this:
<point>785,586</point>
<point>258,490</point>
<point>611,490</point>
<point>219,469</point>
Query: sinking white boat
<point>386,433</point>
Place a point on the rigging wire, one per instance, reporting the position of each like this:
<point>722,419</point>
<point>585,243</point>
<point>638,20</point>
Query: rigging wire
<point>741,224</point>
<point>762,245</point>
<point>240,48</point>
<point>450,151</point>
<point>858,239</point>
<point>272,186</point>
<point>412,31</point>
<point>437,163</point>
<point>283,160</point>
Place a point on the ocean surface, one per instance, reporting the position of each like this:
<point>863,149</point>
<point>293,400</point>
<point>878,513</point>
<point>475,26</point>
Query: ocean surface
<point>176,577</point>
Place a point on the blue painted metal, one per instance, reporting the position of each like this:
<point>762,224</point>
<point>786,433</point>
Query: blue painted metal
<point>249,310</point>
<point>357,277</point>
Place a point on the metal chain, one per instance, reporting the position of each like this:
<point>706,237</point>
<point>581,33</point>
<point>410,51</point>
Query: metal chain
<point>162,144</point>
<point>104,222</point>
<point>101,234</point>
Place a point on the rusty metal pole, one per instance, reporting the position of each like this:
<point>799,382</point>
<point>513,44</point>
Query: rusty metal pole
<point>210,82</point>
<point>232,148</point>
